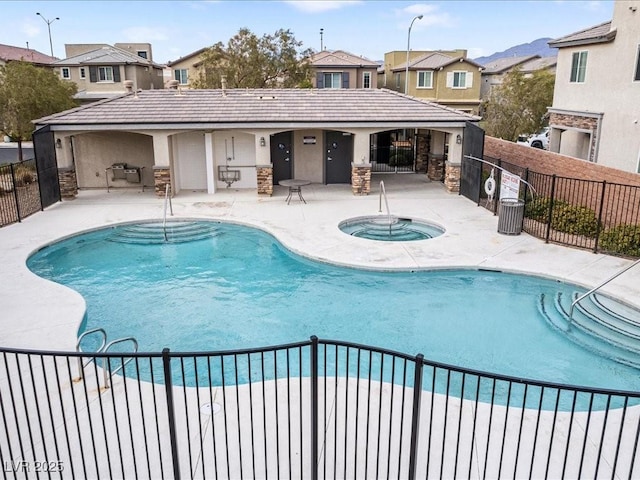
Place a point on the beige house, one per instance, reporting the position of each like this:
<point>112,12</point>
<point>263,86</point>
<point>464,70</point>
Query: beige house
<point>446,77</point>
<point>495,71</point>
<point>207,140</point>
<point>596,103</point>
<point>100,70</point>
<point>340,69</point>
<point>186,69</point>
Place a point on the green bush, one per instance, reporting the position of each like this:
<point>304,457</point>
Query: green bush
<point>575,220</point>
<point>401,158</point>
<point>623,240</point>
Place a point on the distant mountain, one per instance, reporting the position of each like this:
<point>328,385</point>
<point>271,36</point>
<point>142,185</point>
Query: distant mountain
<point>537,47</point>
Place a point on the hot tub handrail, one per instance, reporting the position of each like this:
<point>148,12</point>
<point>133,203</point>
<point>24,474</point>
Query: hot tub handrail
<point>167,199</point>
<point>383,193</point>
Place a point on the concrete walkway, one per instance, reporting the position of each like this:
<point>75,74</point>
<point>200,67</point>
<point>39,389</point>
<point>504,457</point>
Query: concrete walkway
<point>37,313</point>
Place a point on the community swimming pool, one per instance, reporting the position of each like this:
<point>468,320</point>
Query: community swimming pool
<point>241,288</point>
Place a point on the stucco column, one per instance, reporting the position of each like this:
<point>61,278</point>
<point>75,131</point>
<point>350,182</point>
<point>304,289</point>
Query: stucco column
<point>210,162</point>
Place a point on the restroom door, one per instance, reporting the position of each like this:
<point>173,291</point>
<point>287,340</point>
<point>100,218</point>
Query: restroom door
<point>281,156</point>
<point>338,157</point>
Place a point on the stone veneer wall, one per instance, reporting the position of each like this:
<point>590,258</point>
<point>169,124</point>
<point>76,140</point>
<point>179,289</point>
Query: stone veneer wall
<point>161,178</point>
<point>435,168</point>
<point>422,152</point>
<point>452,177</point>
<point>68,183</point>
<point>581,122</point>
<point>361,179</point>
<point>265,180</point>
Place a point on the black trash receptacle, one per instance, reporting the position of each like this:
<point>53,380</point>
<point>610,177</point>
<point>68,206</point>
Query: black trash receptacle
<point>510,216</point>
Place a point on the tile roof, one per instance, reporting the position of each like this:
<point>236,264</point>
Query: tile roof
<point>599,34</point>
<point>340,58</point>
<point>432,61</point>
<point>189,55</point>
<point>11,53</point>
<point>501,65</point>
<point>258,106</point>
<point>103,56</point>
<point>539,64</point>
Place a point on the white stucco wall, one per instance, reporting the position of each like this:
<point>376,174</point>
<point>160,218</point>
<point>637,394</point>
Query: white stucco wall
<point>189,161</point>
<point>308,159</point>
<point>609,88</point>
<point>238,151</point>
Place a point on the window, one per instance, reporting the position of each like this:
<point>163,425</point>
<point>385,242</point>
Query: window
<point>333,80</point>
<point>66,73</point>
<point>459,79</point>
<point>578,67</point>
<point>366,80</point>
<point>425,79</point>
<point>142,53</point>
<point>105,74</point>
<point>397,80</point>
<point>182,75</point>
<point>83,72</point>
<point>637,77</point>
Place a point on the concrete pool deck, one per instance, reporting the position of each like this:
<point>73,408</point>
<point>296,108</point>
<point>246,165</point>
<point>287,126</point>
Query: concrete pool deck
<point>39,314</point>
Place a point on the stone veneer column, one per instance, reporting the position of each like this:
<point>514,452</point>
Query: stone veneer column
<point>361,179</point>
<point>422,152</point>
<point>435,167</point>
<point>68,183</point>
<point>265,179</point>
<point>161,178</point>
<point>452,177</point>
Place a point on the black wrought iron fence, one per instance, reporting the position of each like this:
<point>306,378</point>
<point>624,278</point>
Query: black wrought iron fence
<point>595,215</point>
<point>313,409</point>
<point>19,191</point>
<point>392,159</point>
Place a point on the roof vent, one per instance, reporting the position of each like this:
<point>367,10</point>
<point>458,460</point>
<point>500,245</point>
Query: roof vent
<point>173,84</point>
<point>128,86</point>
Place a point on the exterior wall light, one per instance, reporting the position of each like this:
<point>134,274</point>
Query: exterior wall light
<point>458,139</point>
<point>262,142</point>
<point>58,143</point>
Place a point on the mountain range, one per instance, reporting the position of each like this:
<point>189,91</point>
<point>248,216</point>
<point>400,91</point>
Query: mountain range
<point>537,47</point>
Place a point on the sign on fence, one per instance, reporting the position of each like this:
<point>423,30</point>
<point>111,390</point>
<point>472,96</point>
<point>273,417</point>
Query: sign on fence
<point>509,185</point>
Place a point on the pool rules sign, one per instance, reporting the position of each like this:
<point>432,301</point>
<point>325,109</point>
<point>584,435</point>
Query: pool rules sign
<point>509,185</point>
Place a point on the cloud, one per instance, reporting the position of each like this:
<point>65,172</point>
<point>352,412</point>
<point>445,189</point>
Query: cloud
<point>30,30</point>
<point>144,34</point>
<point>431,16</point>
<point>317,6</point>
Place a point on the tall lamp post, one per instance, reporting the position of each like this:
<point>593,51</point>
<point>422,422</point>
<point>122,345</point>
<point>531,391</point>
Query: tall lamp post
<point>406,73</point>
<point>48,22</point>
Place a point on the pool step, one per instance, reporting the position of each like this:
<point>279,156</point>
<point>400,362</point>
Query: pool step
<point>154,232</point>
<point>599,323</point>
<point>399,231</point>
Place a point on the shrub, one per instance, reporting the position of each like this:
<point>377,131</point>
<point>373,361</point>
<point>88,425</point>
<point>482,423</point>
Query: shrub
<point>24,175</point>
<point>401,158</point>
<point>623,239</point>
<point>575,220</point>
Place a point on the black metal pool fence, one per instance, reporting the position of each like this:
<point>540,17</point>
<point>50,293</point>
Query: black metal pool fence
<point>19,191</point>
<point>313,409</point>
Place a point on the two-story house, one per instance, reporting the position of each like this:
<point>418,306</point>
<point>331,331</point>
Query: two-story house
<point>340,69</point>
<point>494,72</point>
<point>446,77</point>
<point>100,70</point>
<point>186,69</point>
<point>596,103</point>
<point>9,53</point>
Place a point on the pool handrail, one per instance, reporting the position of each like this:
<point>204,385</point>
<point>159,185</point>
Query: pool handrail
<point>105,360</point>
<point>100,348</point>
<point>598,287</point>
<point>383,193</point>
<point>167,200</point>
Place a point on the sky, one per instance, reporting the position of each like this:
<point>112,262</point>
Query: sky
<point>365,28</point>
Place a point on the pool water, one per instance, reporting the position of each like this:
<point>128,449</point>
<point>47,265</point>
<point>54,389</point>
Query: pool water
<point>241,288</point>
<point>390,229</point>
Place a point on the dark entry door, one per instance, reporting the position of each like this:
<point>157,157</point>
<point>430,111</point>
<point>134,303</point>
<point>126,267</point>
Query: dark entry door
<point>471,170</point>
<point>338,157</point>
<point>281,156</point>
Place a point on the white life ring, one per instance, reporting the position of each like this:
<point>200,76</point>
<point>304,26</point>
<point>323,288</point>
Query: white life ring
<point>490,186</point>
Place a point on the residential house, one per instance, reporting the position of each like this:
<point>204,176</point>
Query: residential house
<point>446,77</point>
<point>495,71</point>
<point>9,53</point>
<point>209,140</point>
<point>100,70</point>
<point>340,69</point>
<point>186,69</point>
<point>595,114</point>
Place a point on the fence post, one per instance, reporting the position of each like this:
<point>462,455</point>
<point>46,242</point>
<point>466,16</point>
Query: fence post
<point>15,191</point>
<point>599,226</point>
<point>314,407</point>
<point>171,414</point>
<point>415,420</point>
<point>550,215</point>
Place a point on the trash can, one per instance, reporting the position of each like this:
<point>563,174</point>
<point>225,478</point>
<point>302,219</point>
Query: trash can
<point>510,216</point>
<point>132,175</point>
<point>118,171</point>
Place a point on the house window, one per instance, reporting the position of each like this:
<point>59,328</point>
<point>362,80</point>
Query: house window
<point>142,53</point>
<point>578,67</point>
<point>366,80</point>
<point>333,80</point>
<point>637,77</point>
<point>66,73</point>
<point>425,79</point>
<point>83,72</point>
<point>105,74</point>
<point>397,80</point>
<point>459,79</point>
<point>181,75</point>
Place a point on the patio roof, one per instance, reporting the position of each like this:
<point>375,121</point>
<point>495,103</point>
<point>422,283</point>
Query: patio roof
<point>259,107</point>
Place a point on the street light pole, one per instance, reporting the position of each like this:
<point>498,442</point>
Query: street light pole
<point>48,22</point>
<point>406,73</point>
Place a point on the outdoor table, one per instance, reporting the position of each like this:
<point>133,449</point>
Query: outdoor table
<point>295,186</point>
